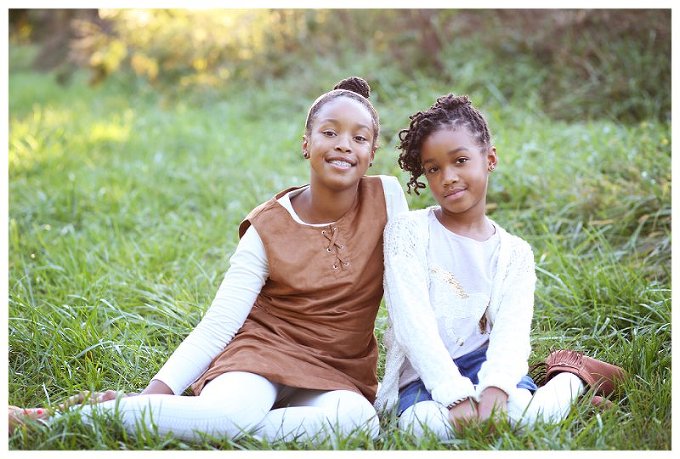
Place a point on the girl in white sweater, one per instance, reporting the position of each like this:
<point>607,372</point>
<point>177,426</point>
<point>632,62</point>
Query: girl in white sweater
<point>459,291</point>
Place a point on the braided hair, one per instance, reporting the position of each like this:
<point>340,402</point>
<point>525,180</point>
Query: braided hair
<point>353,87</point>
<point>448,111</point>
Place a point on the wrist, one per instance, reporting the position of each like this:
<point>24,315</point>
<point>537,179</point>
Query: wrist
<point>457,402</point>
<point>493,392</point>
<point>156,386</point>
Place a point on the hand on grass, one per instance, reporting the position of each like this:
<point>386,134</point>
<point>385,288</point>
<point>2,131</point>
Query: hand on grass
<point>19,416</point>
<point>92,397</point>
<point>154,387</point>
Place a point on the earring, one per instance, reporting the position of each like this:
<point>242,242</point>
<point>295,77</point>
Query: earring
<point>492,167</point>
<point>305,155</point>
<point>370,164</point>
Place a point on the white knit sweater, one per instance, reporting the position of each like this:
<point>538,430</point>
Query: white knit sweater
<point>413,331</point>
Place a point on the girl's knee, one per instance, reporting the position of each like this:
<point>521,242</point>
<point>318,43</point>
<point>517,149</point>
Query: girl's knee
<point>241,396</point>
<point>351,411</point>
<point>426,416</point>
<point>358,408</point>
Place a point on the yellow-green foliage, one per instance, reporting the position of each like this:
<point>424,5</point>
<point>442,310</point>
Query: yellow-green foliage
<point>579,63</point>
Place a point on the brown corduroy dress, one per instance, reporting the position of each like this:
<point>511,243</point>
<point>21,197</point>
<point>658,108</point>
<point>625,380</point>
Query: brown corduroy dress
<point>312,324</point>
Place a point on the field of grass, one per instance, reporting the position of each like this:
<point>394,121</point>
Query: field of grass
<point>124,207</point>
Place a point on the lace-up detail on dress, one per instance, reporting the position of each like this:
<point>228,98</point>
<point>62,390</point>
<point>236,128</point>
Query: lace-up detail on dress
<point>331,234</point>
<point>315,323</point>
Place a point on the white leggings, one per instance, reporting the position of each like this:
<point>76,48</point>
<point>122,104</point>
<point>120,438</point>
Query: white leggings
<point>550,403</point>
<point>235,403</point>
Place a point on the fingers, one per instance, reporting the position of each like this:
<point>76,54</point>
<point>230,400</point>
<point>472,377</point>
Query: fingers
<point>112,395</point>
<point>461,424</point>
<point>18,416</point>
<point>92,397</point>
<point>494,412</point>
<point>490,415</point>
<point>106,396</point>
<point>469,414</point>
<point>463,414</point>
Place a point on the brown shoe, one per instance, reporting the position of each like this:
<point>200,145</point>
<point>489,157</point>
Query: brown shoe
<point>601,376</point>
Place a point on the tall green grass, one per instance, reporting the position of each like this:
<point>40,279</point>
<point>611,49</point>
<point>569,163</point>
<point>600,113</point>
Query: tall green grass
<point>124,208</point>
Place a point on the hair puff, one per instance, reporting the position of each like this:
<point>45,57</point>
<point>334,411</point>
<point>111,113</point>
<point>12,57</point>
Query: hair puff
<point>355,88</point>
<point>448,111</point>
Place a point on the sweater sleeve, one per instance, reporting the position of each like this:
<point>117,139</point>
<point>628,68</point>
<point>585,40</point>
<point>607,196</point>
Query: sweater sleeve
<point>395,200</point>
<point>411,315</point>
<point>509,342</point>
<point>247,273</point>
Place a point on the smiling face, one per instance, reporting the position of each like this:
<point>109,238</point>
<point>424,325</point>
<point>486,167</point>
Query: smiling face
<point>457,171</point>
<point>340,144</point>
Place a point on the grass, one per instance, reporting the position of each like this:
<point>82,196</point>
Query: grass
<point>124,208</point>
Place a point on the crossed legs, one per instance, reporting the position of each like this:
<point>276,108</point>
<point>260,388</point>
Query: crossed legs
<point>550,403</point>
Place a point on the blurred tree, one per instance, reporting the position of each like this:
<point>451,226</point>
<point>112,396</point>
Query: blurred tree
<point>55,30</point>
<point>584,58</point>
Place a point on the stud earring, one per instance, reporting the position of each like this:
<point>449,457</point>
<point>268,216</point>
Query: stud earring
<point>370,164</point>
<point>491,168</point>
<point>305,155</point>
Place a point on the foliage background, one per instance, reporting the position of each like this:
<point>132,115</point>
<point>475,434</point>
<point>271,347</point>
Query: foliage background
<point>580,60</point>
<point>140,138</point>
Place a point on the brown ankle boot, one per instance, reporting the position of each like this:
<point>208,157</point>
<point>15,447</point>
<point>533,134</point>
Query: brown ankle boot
<point>601,376</point>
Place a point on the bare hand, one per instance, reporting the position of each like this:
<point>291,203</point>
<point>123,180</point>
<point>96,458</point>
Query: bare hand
<point>18,416</point>
<point>463,414</point>
<point>92,397</point>
<point>157,387</point>
<point>493,403</point>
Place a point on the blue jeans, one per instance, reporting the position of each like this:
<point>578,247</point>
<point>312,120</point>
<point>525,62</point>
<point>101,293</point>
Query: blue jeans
<point>468,365</point>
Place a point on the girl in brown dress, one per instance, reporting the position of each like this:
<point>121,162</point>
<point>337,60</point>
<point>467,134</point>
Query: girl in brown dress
<point>286,350</point>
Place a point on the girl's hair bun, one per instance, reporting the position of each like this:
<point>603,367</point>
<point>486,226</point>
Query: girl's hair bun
<point>355,84</point>
<point>452,102</point>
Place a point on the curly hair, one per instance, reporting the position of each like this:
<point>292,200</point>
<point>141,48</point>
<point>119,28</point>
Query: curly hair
<point>448,111</point>
<point>353,87</point>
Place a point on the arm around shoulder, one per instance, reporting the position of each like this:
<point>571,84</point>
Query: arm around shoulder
<point>411,315</point>
<point>395,199</point>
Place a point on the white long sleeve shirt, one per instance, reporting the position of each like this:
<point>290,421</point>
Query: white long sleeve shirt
<point>465,268</point>
<point>247,273</point>
<point>420,300</point>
